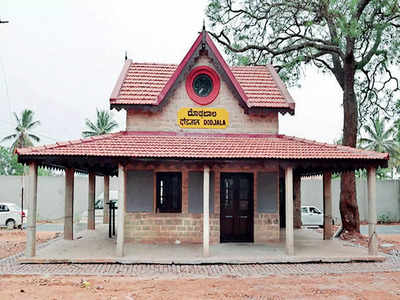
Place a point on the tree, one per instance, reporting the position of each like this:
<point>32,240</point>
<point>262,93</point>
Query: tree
<point>104,124</point>
<point>9,163</point>
<point>355,40</point>
<point>379,138</point>
<point>23,136</point>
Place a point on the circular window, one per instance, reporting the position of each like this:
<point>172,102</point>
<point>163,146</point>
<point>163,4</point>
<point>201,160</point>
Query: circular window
<point>202,85</point>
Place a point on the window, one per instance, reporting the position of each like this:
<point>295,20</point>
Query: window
<point>304,210</point>
<point>202,85</point>
<point>169,192</point>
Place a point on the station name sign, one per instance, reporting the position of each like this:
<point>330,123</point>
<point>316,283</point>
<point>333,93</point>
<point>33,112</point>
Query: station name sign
<point>198,117</point>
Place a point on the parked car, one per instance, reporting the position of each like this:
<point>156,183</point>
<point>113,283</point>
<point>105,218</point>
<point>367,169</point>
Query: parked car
<point>310,215</point>
<point>10,215</point>
<point>99,207</point>
<point>100,199</point>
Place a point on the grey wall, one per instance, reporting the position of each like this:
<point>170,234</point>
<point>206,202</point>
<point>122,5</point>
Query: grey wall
<point>51,194</point>
<point>387,197</point>
<point>140,190</point>
<point>267,192</point>
<point>195,192</point>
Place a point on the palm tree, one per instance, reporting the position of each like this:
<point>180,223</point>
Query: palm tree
<point>23,136</point>
<point>104,124</point>
<point>380,139</point>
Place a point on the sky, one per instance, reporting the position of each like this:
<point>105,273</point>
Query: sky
<point>62,59</point>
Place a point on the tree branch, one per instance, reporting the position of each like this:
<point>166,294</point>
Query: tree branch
<point>300,46</point>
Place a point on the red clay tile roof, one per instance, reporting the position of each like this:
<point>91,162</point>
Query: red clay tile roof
<point>201,146</point>
<point>148,83</point>
<point>144,81</point>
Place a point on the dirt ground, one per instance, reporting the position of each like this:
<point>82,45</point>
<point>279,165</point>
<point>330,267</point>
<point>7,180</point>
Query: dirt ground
<point>387,243</point>
<point>13,241</point>
<point>344,286</point>
<point>384,240</point>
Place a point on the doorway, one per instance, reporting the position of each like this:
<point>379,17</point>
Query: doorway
<point>236,218</point>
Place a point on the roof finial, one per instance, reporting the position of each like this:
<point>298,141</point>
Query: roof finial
<point>126,55</point>
<point>204,25</point>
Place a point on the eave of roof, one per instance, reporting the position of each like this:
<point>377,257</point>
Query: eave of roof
<point>200,146</point>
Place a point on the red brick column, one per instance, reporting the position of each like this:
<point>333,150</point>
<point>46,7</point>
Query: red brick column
<point>297,201</point>
<point>185,191</point>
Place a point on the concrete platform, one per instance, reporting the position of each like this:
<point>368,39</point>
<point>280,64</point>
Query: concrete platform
<point>96,247</point>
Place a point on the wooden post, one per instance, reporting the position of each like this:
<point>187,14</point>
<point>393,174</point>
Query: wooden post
<point>327,194</point>
<point>30,250</point>
<point>106,199</point>
<point>121,210</point>
<point>91,202</point>
<point>372,241</point>
<point>206,211</point>
<point>289,211</point>
<point>69,205</point>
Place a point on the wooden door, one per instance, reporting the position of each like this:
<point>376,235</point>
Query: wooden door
<point>236,218</point>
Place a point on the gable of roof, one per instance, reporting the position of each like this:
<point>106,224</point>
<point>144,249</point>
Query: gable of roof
<point>148,86</point>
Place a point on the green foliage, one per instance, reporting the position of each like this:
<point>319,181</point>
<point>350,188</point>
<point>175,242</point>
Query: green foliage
<point>384,218</point>
<point>9,164</point>
<point>324,33</point>
<point>22,137</point>
<point>378,137</point>
<point>104,124</point>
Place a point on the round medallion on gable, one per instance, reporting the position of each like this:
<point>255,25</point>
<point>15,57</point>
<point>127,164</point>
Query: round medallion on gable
<point>202,85</point>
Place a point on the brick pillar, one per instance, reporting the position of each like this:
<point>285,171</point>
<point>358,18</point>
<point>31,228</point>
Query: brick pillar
<point>372,240</point>
<point>327,194</point>
<point>106,199</point>
<point>69,205</point>
<point>30,250</point>
<point>185,190</point>
<point>206,211</point>
<point>297,201</point>
<point>289,211</point>
<point>91,201</point>
<point>121,210</point>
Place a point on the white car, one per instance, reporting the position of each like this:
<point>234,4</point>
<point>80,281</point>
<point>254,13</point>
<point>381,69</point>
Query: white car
<point>310,215</point>
<point>99,207</point>
<point>10,215</point>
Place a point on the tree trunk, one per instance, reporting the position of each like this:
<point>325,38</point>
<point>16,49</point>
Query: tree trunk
<point>348,200</point>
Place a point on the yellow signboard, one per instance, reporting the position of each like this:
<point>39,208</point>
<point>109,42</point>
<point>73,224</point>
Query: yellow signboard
<point>198,117</point>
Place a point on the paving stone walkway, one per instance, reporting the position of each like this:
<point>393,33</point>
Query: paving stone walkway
<point>10,266</point>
